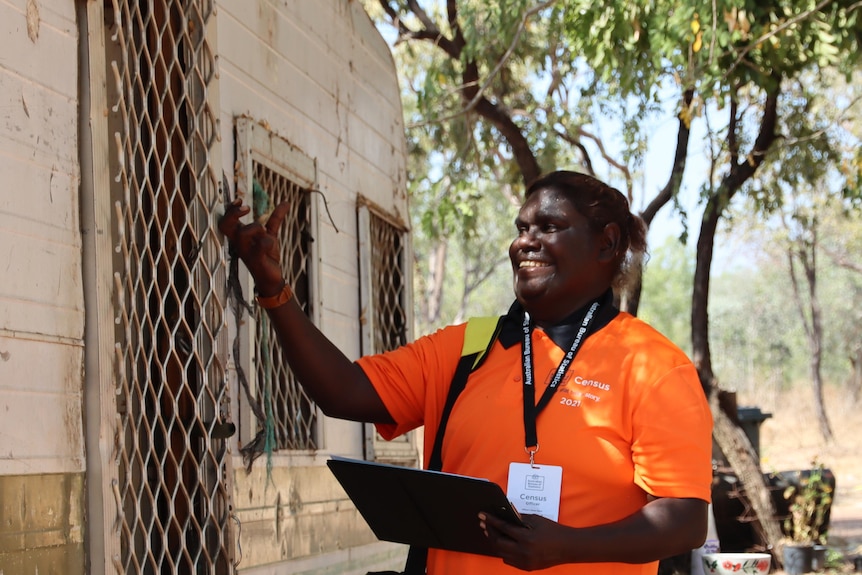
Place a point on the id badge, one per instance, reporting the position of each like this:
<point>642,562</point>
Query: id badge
<point>535,489</point>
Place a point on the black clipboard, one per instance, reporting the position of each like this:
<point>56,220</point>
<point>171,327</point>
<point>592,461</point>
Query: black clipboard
<point>420,507</point>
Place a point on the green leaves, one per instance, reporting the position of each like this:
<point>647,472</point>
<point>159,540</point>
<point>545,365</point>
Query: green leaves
<point>709,45</point>
<point>584,85</point>
<point>810,501</point>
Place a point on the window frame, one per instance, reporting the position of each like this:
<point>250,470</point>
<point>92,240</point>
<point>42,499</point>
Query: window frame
<point>256,143</point>
<point>405,450</point>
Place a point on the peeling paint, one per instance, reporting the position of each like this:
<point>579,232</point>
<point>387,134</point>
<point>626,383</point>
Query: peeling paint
<point>5,355</point>
<point>33,20</point>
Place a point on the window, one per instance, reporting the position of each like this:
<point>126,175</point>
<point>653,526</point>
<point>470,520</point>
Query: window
<point>385,316</point>
<point>269,171</point>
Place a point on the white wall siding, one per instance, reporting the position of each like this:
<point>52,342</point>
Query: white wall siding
<point>41,293</point>
<point>317,74</point>
<point>320,76</point>
<point>41,299</point>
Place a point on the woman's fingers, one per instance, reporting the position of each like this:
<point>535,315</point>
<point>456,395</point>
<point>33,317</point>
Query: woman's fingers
<point>229,222</point>
<point>256,245</point>
<point>273,223</point>
<point>492,525</point>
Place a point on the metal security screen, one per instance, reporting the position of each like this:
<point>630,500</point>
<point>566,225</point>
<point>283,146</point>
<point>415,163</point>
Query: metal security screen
<point>385,303</point>
<point>172,497</point>
<point>388,284</point>
<point>290,414</point>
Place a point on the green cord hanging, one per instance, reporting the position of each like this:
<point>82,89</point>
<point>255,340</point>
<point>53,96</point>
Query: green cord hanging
<point>269,423</point>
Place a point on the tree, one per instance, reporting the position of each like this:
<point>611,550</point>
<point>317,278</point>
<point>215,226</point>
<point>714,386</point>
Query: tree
<point>844,224</point>
<point>804,239</point>
<point>478,98</point>
<point>494,97</point>
<point>735,60</point>
<point>803,207</point>
<point>802,247</point>
<point>843,237</point>
<point>802,189</point>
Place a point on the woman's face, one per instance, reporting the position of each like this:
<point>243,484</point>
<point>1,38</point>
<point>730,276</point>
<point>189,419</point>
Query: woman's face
<point>559,263</point>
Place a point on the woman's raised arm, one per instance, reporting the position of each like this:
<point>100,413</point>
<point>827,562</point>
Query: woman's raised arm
<point>335,383</point>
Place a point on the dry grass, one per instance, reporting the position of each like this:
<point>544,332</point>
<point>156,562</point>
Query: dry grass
<point>791,439</point>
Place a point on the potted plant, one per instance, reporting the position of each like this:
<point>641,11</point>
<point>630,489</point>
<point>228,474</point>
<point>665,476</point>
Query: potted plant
<point>805,526</point>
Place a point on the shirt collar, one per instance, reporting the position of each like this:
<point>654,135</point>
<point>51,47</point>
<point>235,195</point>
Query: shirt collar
<point>563,333</point>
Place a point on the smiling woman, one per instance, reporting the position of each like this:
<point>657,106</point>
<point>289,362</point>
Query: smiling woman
<point>574,234</point>
<point>571,391</point>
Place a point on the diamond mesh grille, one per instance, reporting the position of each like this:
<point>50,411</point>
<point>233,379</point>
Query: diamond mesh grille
<point>291,412</point>
<point>388,285</point>
<point>171,384</point>
<point>388,326</point>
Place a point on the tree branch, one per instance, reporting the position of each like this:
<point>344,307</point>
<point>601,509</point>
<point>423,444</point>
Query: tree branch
<point>575,141</point>
<point>430,32</point>
<point>740,172</point>
<point>427,22</point>
<point>842,261</point>
<point>674,181</point>
<point>716,204</point>
<point>479,94</point>
<point>732,126</point>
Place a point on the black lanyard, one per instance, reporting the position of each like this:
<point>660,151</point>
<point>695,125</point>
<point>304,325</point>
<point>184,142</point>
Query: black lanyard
<point>531,409</point>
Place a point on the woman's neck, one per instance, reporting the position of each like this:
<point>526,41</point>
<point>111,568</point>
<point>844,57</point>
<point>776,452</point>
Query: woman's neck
<point>557,315</point>
<point>563,330</point>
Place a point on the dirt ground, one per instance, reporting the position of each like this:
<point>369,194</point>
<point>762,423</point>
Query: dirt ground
<point>791,439</point>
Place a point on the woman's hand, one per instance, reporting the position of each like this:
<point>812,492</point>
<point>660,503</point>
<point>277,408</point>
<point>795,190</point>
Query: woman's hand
<point>662,528</point>
<point>337,385</point>
<point>536,546</point>
<point>257,245</point>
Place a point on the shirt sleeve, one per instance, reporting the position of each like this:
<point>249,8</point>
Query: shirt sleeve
<point>414,379</point>
<point>672,440</point>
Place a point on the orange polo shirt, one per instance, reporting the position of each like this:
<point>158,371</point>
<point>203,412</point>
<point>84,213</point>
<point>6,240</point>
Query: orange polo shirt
<point>629,419</point>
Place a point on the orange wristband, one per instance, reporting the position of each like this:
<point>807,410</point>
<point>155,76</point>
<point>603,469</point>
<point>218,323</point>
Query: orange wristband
<point>276,300</point>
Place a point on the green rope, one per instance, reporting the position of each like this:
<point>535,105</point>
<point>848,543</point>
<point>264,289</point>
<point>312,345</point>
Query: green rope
<point>261,206</point>
<point>260,201</point>
<point>269,423</point>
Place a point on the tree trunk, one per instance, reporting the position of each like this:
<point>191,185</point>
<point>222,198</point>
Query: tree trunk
<point>855,382</point>
<point>813,322</point>
<point>434,284</point>
<point>736,447</point>
<point>730,438</point>
<point>816,345</point>
<point>819,406</point>
<point>700,294</point>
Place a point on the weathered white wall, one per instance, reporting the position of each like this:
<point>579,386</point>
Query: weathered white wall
<point>319,75</point>
<point>315,71</point>
<point>41,298</point>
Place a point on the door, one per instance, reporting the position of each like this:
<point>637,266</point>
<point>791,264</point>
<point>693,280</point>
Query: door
<point>168,471</point>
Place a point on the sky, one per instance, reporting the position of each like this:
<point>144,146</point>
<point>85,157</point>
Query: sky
<point>728,254</point>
